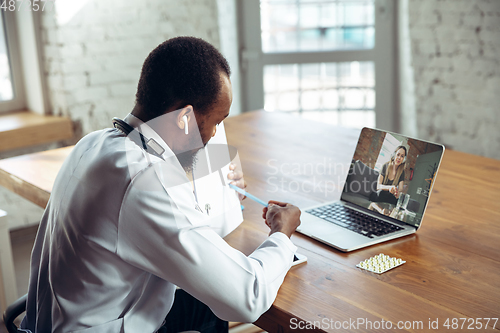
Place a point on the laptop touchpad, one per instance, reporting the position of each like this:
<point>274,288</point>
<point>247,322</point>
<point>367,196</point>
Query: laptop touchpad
<point>317,226</point>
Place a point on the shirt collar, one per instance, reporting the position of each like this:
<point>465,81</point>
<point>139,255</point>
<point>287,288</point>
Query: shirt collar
<point>149,133</point>
<point>178,190</point>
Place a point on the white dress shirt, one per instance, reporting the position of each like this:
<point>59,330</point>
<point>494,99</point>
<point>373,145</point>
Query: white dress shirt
<point>121,231</point>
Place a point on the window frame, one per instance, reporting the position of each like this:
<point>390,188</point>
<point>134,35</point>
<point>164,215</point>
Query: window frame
<point>19,101</point>
<point>383,55</point>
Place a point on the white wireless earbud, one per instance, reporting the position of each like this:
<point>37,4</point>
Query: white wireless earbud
<point>185,120</point>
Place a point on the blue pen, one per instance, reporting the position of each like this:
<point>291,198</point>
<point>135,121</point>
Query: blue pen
<point>251,196</point>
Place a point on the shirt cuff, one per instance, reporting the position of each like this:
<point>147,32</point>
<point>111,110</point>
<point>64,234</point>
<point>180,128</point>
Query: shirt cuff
<point>280,237</point>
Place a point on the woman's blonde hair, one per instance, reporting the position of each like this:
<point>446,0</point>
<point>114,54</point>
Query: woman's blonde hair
<point>400,169</point>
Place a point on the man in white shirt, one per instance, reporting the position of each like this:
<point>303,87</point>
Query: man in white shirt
<point>123,226</point>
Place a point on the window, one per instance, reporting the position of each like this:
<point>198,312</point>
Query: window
<point>338,93</point>
<point>6,88</point>
<point>320,25</point>
<point>11,87</point>
<point>328,60</point>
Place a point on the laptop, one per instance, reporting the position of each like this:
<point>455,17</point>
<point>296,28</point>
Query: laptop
<point>385,195</point>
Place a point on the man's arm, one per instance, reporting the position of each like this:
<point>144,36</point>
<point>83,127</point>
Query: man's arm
<point>155,236</point>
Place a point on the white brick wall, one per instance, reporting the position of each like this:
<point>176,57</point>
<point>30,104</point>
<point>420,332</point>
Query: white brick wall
<point>93,61</point>
<point>455,50</point>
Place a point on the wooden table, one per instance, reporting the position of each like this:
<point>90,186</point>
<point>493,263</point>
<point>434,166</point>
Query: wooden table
<point>452,267</point>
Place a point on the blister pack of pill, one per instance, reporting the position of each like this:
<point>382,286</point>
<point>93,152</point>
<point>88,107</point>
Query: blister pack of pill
<point>380,263</point>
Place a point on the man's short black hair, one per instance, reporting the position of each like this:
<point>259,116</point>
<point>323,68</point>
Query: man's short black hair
<point>181,71</point>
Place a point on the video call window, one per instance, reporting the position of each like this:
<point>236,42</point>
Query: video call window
<point>392,175</point>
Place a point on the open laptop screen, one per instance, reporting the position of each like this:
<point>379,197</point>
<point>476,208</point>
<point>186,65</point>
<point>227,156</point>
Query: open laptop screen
<point>392,175</point>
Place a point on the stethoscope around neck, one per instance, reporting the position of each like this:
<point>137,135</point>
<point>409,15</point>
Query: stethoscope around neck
<point>150,146</point>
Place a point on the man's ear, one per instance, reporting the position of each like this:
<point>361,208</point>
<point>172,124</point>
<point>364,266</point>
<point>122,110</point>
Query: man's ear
<point>183,116</point>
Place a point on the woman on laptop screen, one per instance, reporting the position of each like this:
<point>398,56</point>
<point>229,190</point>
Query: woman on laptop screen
<point>390,182</point>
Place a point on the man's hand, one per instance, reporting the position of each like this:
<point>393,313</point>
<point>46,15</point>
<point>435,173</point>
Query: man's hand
<point>236,177</point>
<point>281,217</point>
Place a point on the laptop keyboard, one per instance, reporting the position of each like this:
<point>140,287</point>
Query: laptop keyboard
<point>353,220</point>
